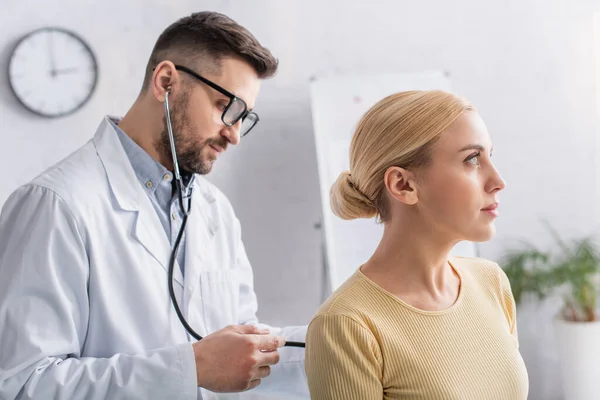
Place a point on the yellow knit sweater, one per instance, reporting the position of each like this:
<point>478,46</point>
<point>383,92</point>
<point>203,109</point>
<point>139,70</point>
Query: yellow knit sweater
<point>366,344</point>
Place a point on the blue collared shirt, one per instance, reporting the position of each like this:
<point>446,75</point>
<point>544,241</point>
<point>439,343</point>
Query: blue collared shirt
<point>157,182</point>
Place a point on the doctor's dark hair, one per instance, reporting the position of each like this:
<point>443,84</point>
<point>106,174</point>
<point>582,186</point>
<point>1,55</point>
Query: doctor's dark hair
<point>400,130</point>
<point>204,38</point>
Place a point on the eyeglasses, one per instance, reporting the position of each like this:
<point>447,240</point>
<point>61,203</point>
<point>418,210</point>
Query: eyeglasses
<point>236,110</point>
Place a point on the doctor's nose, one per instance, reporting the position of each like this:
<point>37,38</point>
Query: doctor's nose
<point>232,133</point>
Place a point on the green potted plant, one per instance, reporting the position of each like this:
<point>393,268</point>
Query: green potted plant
<point>570,269</point>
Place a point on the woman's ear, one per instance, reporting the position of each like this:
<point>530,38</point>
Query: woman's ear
<point>400,184</point>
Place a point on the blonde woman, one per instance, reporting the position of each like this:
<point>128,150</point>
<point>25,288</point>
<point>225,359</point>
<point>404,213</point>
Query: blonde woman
<point>413,322</point>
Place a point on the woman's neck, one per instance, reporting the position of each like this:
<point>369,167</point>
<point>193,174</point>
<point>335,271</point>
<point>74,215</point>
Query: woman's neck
<point>412,263</point>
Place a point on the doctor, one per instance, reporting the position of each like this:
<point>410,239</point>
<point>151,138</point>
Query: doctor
<point>85,311</point>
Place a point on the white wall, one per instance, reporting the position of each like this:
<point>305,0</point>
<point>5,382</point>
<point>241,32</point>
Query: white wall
<point>527,65</point>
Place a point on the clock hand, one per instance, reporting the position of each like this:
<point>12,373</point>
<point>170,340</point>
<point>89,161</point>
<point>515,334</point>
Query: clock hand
<point>51,53</point>
<point>65,71</point>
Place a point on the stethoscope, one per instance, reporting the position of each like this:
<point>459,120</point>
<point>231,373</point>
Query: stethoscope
<point>186,213</point>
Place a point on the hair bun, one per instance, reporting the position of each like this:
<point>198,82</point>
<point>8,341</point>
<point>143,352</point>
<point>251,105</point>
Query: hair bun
<point>348,201</point>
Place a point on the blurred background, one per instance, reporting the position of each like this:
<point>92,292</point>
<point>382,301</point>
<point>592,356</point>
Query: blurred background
<point>529,66</point>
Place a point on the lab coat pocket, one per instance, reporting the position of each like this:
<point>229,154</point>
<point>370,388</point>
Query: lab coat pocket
<point>219,296</point>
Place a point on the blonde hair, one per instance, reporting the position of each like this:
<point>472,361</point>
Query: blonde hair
<point>400,130</point>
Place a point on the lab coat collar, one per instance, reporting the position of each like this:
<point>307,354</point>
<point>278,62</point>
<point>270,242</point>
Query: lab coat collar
<point>130,196</point>
<point>120,173</point>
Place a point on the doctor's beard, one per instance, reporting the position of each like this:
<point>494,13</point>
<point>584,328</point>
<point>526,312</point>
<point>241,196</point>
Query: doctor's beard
<point>190,154</point>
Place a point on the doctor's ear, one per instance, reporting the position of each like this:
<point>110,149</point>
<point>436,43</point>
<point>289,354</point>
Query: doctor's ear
<point>164,77</point>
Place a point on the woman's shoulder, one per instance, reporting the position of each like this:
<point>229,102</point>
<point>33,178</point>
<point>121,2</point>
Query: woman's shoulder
<point>348,299</point>
<point>480,267</point>
<point>346,315</point>
<point>345,294</point>
<point>487,272</point>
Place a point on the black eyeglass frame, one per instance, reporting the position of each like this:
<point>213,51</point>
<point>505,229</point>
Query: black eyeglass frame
<point>232,99</point>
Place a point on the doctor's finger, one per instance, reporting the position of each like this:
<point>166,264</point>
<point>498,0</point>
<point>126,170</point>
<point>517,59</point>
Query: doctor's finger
<point>268,358</point>
<point>253,384</point>
<point>250,330</point>
<point>263,372</point>
<point>270,342</point>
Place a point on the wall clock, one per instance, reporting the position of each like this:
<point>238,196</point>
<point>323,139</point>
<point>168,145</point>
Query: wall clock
<point>52,72</point>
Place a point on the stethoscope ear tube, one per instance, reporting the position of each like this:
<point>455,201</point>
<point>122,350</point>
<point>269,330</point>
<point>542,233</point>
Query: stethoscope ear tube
<point>179,183</point>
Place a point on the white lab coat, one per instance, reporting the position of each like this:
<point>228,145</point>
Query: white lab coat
<point>84,304</point>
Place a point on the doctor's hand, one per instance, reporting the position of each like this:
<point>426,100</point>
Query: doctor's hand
<point>236,358</point>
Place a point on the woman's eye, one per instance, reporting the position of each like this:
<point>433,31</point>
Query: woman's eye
<point>474,159</point>
<point>221,105</point>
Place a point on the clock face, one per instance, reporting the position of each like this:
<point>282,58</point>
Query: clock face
<point>52,72</point>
